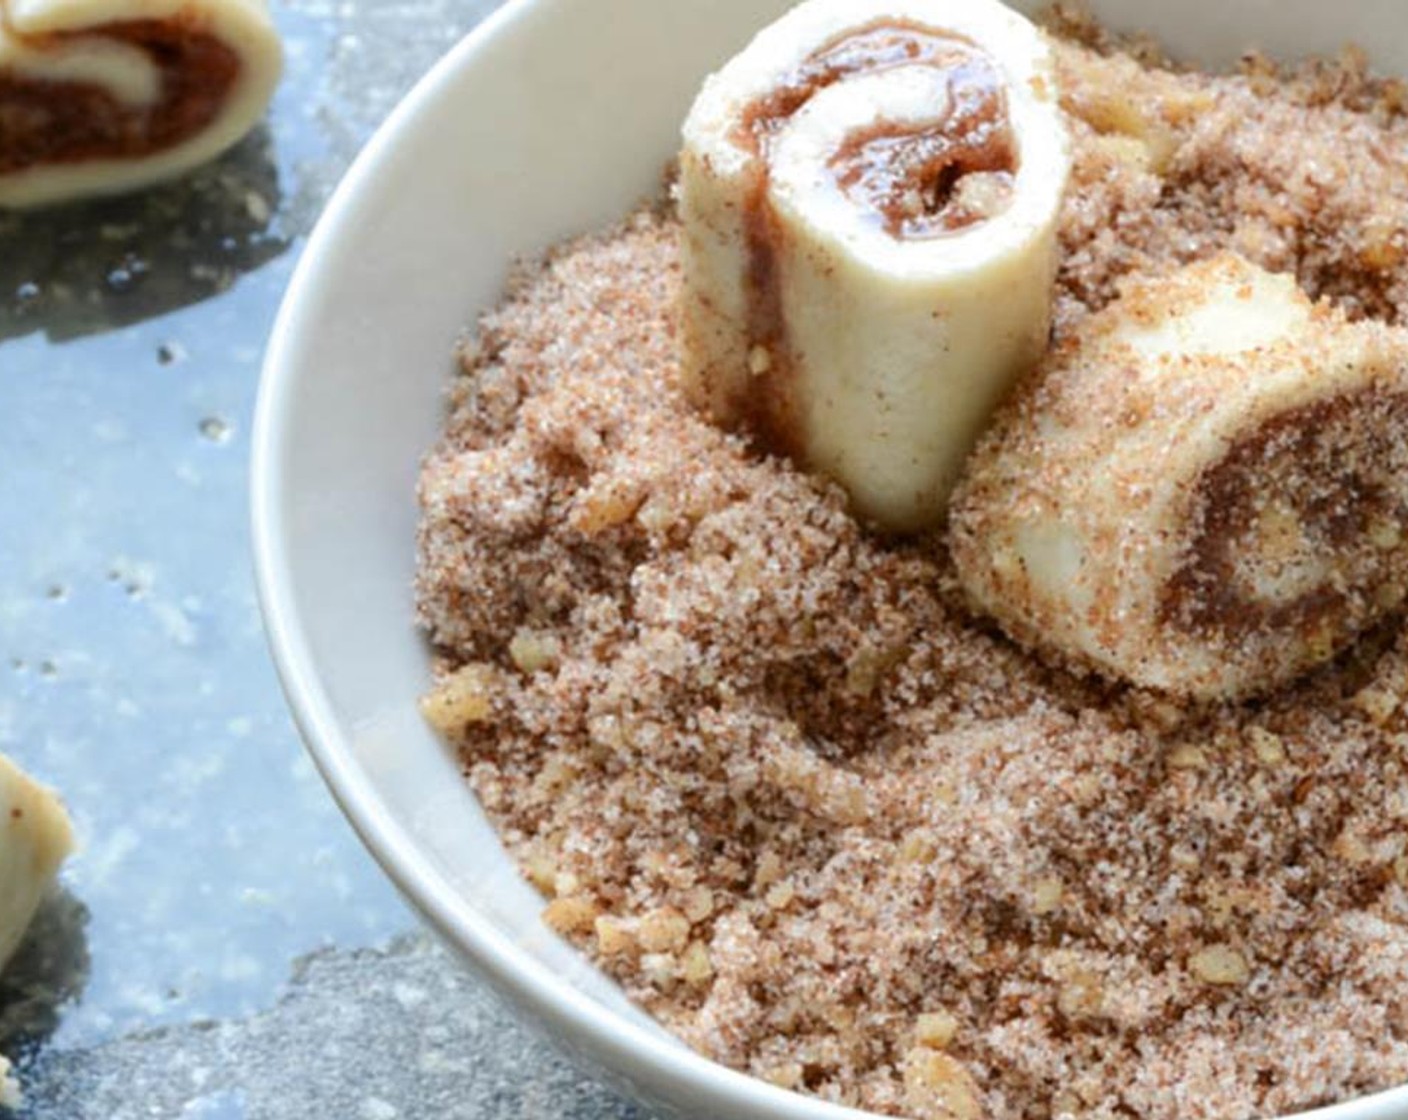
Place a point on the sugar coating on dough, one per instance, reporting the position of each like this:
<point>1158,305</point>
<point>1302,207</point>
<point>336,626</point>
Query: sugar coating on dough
<point>1203,488</point>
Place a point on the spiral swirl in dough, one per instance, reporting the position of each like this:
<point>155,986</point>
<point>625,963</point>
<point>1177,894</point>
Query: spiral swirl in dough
<point>1204,492</point>
<point>869,194</point>
<point>98,96</point>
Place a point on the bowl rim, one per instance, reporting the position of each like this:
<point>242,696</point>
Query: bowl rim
<point>620,1044</point>
<point>614,1041</point>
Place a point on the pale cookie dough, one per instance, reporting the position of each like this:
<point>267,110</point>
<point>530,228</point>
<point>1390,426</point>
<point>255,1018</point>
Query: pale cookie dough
<point>869,195</point>
<point>35,838</point>
<point>100,96</point>
<point>1205,491</point>
<point>10,1096</point>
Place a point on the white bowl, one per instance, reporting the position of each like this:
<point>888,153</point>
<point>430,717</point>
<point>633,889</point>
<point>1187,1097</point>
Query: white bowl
<point>553,118</point>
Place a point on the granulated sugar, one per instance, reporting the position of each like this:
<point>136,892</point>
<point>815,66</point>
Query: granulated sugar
<point>835,832</point>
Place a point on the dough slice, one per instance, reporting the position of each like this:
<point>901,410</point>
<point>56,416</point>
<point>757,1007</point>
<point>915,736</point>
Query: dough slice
<point>35,838</point>
<point>10,1095</point>
<point>869,194</point>
<point>1205,491</point>
<point>98,96</point>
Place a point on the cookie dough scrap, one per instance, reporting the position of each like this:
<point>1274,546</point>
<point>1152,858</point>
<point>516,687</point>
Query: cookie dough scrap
<point>10,1096</point>
<point>869,194</point>
<point>36,836</point>
<point>100,96</point>
<point>1205,491</point>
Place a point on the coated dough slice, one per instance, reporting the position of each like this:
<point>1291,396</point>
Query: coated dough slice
<point>99,96</point>
<point>869,194</point>
<point>1205,491</point>
<point>35,838</point>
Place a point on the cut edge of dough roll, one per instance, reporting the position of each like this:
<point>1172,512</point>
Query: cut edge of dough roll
<point>126,73</point>
<point>890,351</point>
<point>10,1095</point>
<point>1152,504</point>
<point>37,837</point>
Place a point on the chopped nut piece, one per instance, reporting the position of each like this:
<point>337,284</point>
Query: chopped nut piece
<point>1182,856</point>
<point>605,507</point>
<point>556,775</point>
<point>917,848</point>
<point>780,895</point>
<point>661,969</point>
<point>665,930</point>
<point>868,666</point>
<point>1389,595</point>
<point>1378,703</point>
<point>1385,534</point>
<point>532,652</point>
<point>696,966</point>
<point>1320,643</point>
<point>542,873</point>
<point>658,515</point>
<point>939,1088</point>
<point>935,1029</point>
<point>768,871</point>
<point>1219,903</point>
<point>1081,996</point>
<point>1163,714</point>
<point>1349,846</point>
<point>465,697</point>
<point>1220,965</point>
<point>1046,895</point>
<point>1267,745</point>
<point>1186,756</point>
<point>698,904</point>
<point>613,937</point>
<point>788,1075</point>
<point>1111,113</point>
<point>571,915</point>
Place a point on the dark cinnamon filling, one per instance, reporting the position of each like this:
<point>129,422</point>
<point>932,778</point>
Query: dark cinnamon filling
<point>1314,504</point>
<point>61,122</point>
<point>943,178</point>
<point>879,46</point>
<point>924,181</point>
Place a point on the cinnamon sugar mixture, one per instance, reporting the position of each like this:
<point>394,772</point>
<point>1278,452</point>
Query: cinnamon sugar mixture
<point>827,827</point>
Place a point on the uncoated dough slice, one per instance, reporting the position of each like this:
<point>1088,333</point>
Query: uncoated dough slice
<point>35,838</point>
<point>869,194</point>
<point>98,96</point>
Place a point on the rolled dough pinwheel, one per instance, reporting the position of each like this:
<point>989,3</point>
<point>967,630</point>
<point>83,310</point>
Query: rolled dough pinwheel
<point>869,194</point>
<point>1205,491</point>
<point>35,838</point>
<point>98,96</point>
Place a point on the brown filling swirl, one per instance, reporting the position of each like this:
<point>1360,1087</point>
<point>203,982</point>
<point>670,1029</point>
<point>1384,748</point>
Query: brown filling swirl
<point>924,181</point>
<point>1302,529</point>
<point>913,177</point>
<point>45,122</point>
<point>919,182</point>
<point>876,47</point>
